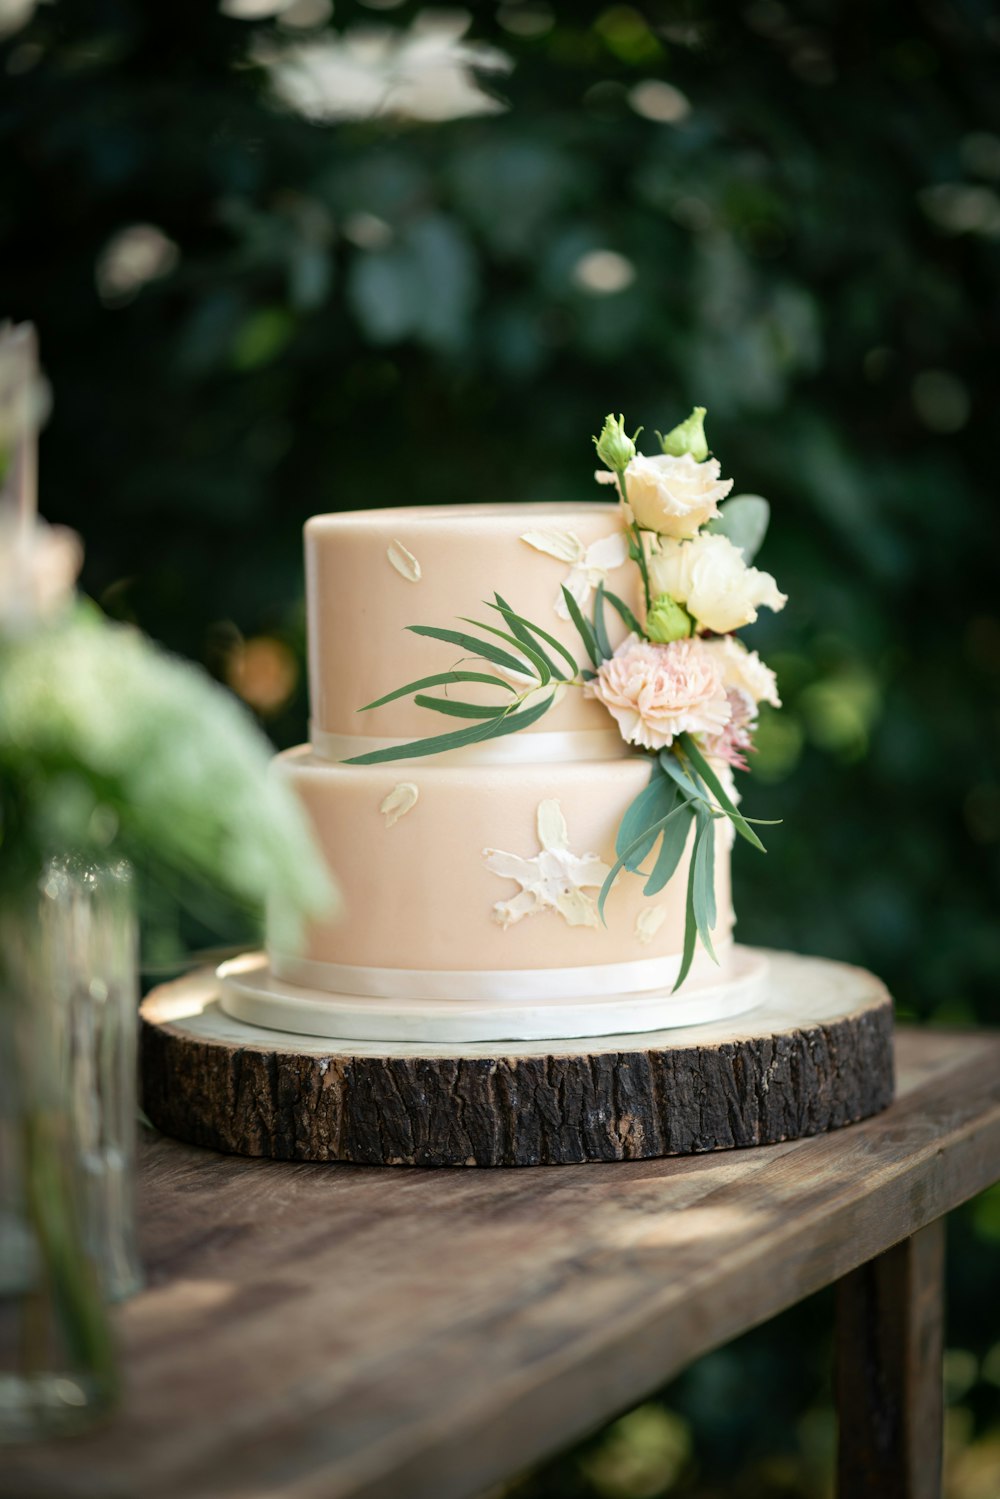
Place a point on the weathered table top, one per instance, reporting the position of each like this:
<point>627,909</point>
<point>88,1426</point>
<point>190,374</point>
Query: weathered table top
<point>318,1331</point>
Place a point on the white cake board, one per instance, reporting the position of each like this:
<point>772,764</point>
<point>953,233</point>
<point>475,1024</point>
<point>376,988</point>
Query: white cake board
<point>249,992</point>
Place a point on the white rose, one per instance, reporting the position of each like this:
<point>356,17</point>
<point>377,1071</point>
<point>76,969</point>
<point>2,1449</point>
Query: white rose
<point>708,575</point>
<point>672,496</point>
<point>744,671</point>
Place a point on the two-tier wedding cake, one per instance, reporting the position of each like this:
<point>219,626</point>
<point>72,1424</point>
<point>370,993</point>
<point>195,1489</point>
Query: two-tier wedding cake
<point>531,825</point>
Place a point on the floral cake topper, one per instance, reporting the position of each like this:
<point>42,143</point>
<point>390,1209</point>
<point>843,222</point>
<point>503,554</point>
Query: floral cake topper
<point>682,687</point>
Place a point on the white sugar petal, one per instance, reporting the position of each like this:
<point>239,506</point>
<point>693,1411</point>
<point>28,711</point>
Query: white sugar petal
<point>607,553</point>
<point>551,880</point>
<point>508,866</point>
<point>575,908</point>
<point>401,799</point>
<point>403,561</point>
<point>563,545</point>
<point>649,921</point>
<point>507,912</point>
<point>552,831</point>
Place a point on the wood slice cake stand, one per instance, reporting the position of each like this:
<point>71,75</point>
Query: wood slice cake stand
<point>814,1055</point>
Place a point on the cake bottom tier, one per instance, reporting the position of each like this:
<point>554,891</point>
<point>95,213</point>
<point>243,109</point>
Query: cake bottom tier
<point>479,884</point>
<point>249,991</point>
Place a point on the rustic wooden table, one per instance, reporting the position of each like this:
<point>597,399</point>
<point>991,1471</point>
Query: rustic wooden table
<point>323,1331</point>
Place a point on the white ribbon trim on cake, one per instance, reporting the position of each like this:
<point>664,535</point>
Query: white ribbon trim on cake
<point>637,977</point>
<point>563,746</point>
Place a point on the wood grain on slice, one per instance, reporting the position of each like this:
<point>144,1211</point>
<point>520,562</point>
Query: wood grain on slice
<point>816,1055</point>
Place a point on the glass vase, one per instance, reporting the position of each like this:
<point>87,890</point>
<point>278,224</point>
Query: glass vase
<point>89,930</point>
<point>57,1364</point>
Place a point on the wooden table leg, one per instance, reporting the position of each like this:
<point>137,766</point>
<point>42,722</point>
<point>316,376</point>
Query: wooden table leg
<point>888,1372</point>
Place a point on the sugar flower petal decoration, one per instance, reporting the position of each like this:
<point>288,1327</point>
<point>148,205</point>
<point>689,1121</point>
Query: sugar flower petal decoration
<point>588,565</point>
<point>404,562</point>
<point>648,923</point>
<point>401,799</point>
<point>554,879</point>
<point>708,575</point>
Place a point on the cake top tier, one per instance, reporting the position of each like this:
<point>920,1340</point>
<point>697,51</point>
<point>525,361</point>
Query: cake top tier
<point>372,573</point>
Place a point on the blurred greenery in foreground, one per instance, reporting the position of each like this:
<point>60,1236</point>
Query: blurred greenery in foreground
<point>384,255</point>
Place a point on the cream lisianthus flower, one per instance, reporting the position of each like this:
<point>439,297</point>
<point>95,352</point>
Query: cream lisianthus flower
<point>744,671</point>
<point>672,496</point>
<point>655,692</point>
<point>709,577</point>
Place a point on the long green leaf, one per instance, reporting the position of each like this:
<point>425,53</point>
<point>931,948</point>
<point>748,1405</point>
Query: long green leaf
<point>458,710</point>
<point>703,860</point>
<point>620,606</point>
<point>707,774</point>
<point>440,679</point>
<point>674,838</point>
<point>653,803</point>
<point>620,863</point>
<point>438,743</point>
<point>690,922</point>
<point>675,771</point>
<point>551,640</point>
<point>583,626</point>
<point>484,648</point>
<point>536,658</point>
<point>520,632</point>
<point>600,625</point>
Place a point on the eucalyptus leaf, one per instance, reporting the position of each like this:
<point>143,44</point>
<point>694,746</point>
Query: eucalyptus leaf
<point>743,520</point>
<point>583,626</point>
<point>600,627</point>
<point>520,631</point>
<point>703,865</point>
<point>535,657</point>
<point>628,853</point>
<point>711,780</point>
<point>484,648</point>
<point>652,804</point>
<point>438,743</point>
<point>675,836</point>
<point>673,768</point>
<point>440,679</point>
<point>620,606</point>
<point>551,640</point>
<point>690,924</point>
<point>457,709</point>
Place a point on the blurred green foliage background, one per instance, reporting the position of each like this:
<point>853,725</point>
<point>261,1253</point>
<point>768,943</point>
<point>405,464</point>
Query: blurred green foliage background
<point>287,259</point>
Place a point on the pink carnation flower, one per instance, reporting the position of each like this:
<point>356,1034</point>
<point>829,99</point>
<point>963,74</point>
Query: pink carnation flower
<point>732,744</point>
<point>656,692</point>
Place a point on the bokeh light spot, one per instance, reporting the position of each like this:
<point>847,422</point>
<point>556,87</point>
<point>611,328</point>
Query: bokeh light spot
<point>263,672</point>
<point>941,401</point>
<point>132,258</point>
<point>659,101</point>
<point>603,272</point>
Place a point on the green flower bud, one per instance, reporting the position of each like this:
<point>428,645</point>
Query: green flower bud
<point>614,447</point>
<point>667,621</point>
<point>687,437</point>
